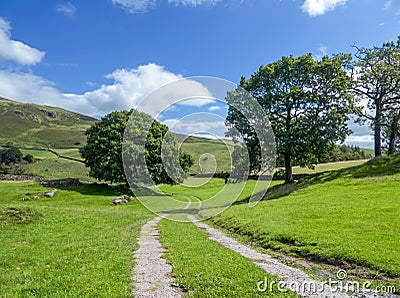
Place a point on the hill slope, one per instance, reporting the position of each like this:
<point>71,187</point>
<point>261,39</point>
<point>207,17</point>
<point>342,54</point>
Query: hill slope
<point>345,217</point>
<point>31,125</point>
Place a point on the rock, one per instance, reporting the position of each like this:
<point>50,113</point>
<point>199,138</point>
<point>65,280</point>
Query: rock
<point>117,201</point>
<point>50,194</point>
<point>26,199</point>
<point>122,199</point>
<point>35,197</point>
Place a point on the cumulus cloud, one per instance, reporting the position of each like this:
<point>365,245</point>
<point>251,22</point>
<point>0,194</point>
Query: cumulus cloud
<point>320,7</point>
<point>135,6</point>
<point>127,90</point>
<point>16,51</point>
<point>67,9</point>
<point>198,124</point>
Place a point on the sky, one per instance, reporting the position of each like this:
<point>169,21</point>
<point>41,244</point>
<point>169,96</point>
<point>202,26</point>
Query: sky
<point>97,56</point>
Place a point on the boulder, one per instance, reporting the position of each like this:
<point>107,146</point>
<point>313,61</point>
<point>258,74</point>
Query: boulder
<point>50,194</point>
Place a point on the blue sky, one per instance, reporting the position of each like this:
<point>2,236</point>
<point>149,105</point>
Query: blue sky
<point>95,56</point>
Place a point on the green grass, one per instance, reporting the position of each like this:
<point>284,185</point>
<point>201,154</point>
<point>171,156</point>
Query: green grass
<point>58,168</point>
<point>197,147</point>
<point>71,152</point>
<point>330,166</point>
<point>211,187</point>
<point>350,215</point>
<point>207,269</point>
<point>73,245</point>
<point>38,154</point>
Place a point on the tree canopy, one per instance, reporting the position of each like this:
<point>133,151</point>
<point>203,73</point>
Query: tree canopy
<point>308,104</point>
<point>10,155</point>
<point>103,151</point>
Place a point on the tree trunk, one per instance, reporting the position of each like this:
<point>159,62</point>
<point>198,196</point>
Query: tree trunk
<point>394,126</point>
<point>377,131</point>
<point>288,168</point>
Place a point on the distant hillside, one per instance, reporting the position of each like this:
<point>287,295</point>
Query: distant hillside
<point>32,125</point>
<point>36,126</point>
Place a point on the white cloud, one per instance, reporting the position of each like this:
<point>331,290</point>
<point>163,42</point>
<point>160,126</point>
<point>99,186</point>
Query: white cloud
<point>198,124</point>
<point>127,90</point>
<point>135,6</point>
<point>16,51</point>
<point>323,51</point>
<point>140,6</point>
<point>68,9</point>
<point>214,108</point>
<point>388,4</point>
<point>366,141</point>
<point>320,7</point>
<point>193,3</point>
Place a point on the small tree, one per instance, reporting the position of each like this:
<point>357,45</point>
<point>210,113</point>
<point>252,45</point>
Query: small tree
<point>10,155</point>
<point>308,105</point>
<point>103,151</point>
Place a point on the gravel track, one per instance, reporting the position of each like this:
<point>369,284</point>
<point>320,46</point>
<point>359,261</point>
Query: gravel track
<point>152,276</point>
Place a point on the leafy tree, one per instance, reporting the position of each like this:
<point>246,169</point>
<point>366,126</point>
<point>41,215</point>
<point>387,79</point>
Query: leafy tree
<point>10,155</point>
<point>377,71</point>
<point>308,105</point>
<point>103,151</point>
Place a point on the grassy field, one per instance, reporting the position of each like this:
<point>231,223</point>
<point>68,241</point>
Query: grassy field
<point>58,168</point>
<point>73,245</point>
<point>329,166</point>
<point>350,215</point>
<point>49,166</point>
<point>70,152</point>
<point>217,149</point>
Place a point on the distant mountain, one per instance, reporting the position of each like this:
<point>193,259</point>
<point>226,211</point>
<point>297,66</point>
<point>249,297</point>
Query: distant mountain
<point>32,125</point>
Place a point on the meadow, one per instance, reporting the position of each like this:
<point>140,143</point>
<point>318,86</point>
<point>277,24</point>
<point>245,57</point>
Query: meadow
<point>73,245</point>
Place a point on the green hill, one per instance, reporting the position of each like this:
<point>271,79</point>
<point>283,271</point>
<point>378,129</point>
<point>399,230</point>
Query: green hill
<point>32,125</point>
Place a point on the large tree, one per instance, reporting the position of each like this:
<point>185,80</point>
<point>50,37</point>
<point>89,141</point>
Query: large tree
<point>308,105</point>
<point>103,151</point>
<point>377,71</point>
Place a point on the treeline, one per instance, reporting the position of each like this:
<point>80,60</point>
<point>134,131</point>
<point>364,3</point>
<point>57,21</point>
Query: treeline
<point>309,103</point>
<point>343,153</point>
